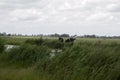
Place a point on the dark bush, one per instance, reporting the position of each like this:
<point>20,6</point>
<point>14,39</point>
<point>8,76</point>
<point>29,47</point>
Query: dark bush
<point>1,45</point>
<point>30,41</point>
<point>35,41</point>
<point>55,44</point>
<point>39,41</point>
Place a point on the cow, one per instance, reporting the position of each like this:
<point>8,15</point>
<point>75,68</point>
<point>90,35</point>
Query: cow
<point>61,39</point>
<point>70,40</point>
<point>67,40</point>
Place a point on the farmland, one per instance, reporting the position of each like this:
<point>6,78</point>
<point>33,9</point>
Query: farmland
<point>21,39</point>
<point>85,59</point>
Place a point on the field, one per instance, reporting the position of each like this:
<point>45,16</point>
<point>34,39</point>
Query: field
<point>20,39</point>
<point>85,59</point>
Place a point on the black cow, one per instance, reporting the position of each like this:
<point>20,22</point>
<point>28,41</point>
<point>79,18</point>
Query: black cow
<point>61,39</point>
<point>70,40</point>
<point>67,40</point>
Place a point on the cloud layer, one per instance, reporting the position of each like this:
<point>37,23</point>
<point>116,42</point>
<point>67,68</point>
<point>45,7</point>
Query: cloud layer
<point>60,13</point>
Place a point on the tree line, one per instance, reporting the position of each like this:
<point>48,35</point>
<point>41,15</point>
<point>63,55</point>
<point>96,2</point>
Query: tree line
<point>58,35</point>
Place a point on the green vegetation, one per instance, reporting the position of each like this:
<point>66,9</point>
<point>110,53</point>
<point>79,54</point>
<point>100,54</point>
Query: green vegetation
<point>1,45</point>
<point>53,44</point>
<point>88,59</point>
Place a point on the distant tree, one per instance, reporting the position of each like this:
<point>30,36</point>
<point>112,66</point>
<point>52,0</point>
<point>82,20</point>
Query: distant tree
<point>55,35</point>
<point>3,34</point>
<point>90,36</point>
<point>64,35</point>
<point>19,34</point>
<point>9,34</point>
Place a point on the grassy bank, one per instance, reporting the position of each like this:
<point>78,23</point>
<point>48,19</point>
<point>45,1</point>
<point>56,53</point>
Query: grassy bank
<point>83,60</point>
<point>17,40</point>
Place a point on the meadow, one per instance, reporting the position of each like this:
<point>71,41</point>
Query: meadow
<point>85,59</point>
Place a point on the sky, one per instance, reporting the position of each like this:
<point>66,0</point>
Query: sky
<point>75,17</point>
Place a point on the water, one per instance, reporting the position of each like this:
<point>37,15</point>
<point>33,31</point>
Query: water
<point>8,47</point>
<point>54,52</point>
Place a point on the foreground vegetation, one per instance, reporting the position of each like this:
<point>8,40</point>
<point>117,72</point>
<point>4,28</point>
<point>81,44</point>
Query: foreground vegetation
<point>83,60</point>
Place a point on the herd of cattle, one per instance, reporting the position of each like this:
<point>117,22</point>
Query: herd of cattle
<point>69,40</point>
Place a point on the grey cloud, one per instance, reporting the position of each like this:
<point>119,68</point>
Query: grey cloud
<point>16,4</point>
<point>23,13</point>
<point>61,8</point>
<point>19,1</point>
<point>115,8</point>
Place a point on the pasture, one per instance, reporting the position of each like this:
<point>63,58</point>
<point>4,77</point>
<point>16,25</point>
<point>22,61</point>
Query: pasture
<point>16,40</point>
<point>85,59</point>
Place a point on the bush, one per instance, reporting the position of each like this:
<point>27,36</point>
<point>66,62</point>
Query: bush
<point>54,44</point>
<point>1,45</point>
<point>30,41</point>
<point>35,41</point>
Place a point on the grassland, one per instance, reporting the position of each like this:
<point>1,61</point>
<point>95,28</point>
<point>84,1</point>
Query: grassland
<point>86,59</point>
<point>21,39</point>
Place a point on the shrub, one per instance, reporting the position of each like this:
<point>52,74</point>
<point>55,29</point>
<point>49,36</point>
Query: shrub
<point>35,41</point>
<point>30,41</point>
<point>54,44</point>
<point>1,45</point>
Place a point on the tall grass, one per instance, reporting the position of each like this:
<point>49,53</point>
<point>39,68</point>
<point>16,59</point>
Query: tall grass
<point>26,54</point>
<point>86,61</point>
<point>78,61</point>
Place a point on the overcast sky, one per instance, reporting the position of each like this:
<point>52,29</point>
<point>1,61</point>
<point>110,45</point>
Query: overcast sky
<point>100,17</point>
